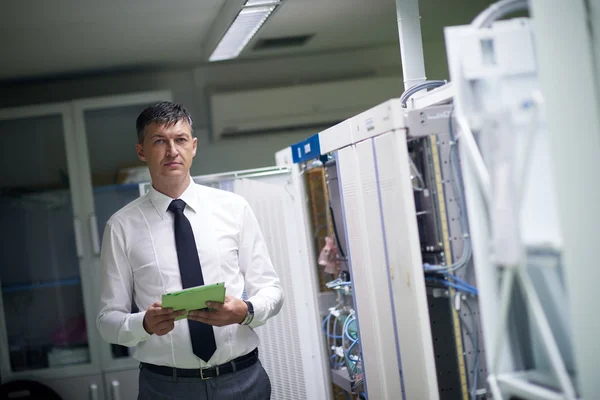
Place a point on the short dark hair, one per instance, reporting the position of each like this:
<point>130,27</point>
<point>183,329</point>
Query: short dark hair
<point>162,113</point>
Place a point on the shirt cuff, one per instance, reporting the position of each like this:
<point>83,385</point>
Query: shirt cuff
<point>136,326</point>
<point>260,312</point>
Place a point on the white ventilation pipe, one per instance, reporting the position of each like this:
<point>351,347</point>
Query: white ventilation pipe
<point>497,11</point>
<point>411,43</point>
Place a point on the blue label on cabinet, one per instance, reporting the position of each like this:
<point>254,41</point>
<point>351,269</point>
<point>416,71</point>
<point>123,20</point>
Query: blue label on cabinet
<point>306,149</point>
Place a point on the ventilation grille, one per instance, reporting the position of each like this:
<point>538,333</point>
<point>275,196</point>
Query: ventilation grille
<point>280,350</point>
<point>282,42</point>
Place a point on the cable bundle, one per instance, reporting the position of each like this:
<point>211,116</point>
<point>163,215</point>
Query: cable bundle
<point>417,88</point>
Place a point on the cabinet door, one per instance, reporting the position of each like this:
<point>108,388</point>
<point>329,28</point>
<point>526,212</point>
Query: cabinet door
<point>44,323</point>
<point>80,388</point>
<point>122,385</point>
<point>107,137</point>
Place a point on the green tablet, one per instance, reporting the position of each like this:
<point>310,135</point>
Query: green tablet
<point>194,298</point>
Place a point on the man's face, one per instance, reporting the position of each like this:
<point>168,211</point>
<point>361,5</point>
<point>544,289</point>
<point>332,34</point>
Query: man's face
<point>168,150</point>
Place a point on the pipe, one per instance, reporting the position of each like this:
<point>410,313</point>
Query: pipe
<point>497,11</point>
<point>411,43</point>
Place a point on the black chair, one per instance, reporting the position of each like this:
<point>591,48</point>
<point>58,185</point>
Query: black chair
<point>27,390</point>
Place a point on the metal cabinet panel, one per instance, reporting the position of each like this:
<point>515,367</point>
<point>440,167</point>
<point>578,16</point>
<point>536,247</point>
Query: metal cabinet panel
<point>104,145</point>
<point>122,385</point>
<point>368,265</point>
<point>405,266</point>
<point>44,306</point>
<point>53,210</point>
<point>80,388</point>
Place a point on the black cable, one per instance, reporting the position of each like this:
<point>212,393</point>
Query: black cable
<point>335,232</point>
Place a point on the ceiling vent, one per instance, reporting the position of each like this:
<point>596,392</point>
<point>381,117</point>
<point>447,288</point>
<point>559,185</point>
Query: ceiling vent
<point>282,42</point>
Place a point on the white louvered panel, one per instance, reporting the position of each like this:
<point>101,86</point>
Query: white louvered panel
<point>358,180</point>
<point>406,270</point>
<point>377,269</point>
<point>280,349</point>
<point>353,206</point>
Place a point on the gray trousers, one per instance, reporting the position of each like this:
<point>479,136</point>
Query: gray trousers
<point>251,383</point>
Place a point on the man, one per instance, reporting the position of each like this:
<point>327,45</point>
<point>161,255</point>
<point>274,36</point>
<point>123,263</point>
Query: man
<point>181,235</point>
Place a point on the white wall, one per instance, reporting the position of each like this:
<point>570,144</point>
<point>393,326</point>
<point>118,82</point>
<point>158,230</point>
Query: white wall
<point>191,86</point>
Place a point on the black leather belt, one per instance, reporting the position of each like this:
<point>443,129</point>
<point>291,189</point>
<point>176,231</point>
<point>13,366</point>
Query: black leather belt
<point>242,362</point>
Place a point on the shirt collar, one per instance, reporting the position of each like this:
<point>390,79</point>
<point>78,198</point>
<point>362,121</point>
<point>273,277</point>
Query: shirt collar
<point>161,201</point>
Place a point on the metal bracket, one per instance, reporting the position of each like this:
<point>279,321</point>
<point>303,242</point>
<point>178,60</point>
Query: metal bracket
<point>427,121</point>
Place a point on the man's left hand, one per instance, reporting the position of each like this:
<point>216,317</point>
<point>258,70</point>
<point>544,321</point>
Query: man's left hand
<point>233,311</point>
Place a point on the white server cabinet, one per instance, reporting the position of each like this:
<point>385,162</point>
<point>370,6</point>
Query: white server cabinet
<point>384,251</point>
<point>532,231</point>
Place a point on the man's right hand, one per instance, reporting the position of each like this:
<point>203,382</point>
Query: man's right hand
<point>160,321</point>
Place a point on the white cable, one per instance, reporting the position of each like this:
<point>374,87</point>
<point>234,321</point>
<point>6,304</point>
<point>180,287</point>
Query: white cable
<point>417,88</point>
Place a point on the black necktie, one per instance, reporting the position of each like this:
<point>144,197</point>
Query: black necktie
<point>203,337</point>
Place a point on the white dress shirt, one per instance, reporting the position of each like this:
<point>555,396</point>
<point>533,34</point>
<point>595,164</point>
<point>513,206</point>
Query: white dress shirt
<point>139,262</point>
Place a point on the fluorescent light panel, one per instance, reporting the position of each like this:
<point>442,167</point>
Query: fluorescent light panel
<point>250,3</point>
<point>248,21</point>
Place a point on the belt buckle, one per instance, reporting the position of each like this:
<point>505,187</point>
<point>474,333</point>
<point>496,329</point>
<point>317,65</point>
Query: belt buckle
<point>204,378</point>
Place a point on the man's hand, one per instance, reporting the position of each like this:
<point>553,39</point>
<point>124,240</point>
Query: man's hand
<point>160,321</point>
<point>233,311</point>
